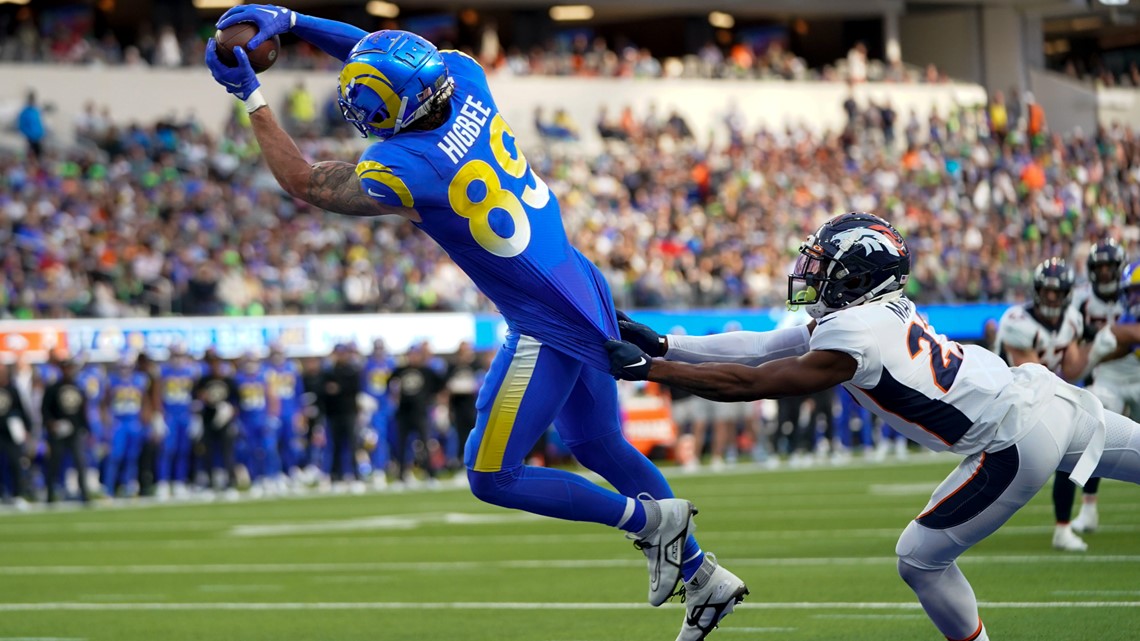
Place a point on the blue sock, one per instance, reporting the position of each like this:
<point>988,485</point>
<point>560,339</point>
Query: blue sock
<point>636,519</point>
<point>693,556</point>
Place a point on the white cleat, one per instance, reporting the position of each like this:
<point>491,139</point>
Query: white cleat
<point>665,546</point>
<point>1066,541</point>
<point>1087,521</point>
<point>709,596</point>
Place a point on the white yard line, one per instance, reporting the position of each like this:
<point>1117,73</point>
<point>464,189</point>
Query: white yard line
<point>527,605</point>
<point>528,564</point>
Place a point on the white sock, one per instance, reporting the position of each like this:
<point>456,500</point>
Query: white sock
<point>948,599</point>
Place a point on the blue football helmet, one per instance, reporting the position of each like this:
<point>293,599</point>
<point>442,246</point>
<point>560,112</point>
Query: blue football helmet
<point>389,80</point>
<point>1130,289</point>
<point>850,260</point>
<point>1105,260</point>
<point>1052,289</point>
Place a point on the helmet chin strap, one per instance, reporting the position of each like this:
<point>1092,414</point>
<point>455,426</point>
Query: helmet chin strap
<point>400,116</point>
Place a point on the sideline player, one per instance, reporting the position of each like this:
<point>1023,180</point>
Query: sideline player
<point>1014,425</point>
<point>1047,331</point>
<point>447,161</point>
<point>1100,306</point>
<point>177,378</point>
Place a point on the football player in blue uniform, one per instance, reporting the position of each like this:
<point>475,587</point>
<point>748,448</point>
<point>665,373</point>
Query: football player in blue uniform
<point>93,379</point>
<point>377,370</point>
<point>128,406</point>
<point>446,159</point>
<point>178,376</point>
<point>257,418</point>
<point>287,388</point>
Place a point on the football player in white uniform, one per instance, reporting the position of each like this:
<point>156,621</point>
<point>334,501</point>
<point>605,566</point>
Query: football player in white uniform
<point>1099,305</point>
<point>1014,425</point>
<point>1048,331</point>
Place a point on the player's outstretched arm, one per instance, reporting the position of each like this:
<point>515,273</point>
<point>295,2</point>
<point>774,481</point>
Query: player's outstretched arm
<point>745,348</point>
<point>332,37</point>
<point>813,372</point>
<point>330,185</point>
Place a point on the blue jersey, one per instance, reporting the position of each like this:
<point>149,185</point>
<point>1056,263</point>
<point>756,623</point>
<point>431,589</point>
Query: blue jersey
<point>287,385</point>
<point>479,199</point>
<point>126,393</point>
<point>253,392</point>
<point>376,373</point>
<point>47,373</point>
<point>93,381</point>
<point>178,386</point>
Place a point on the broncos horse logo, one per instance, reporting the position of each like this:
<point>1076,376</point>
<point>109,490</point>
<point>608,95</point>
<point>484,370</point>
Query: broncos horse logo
<point>871,239</point>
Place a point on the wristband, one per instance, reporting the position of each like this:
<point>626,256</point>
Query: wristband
<point>254,102</point>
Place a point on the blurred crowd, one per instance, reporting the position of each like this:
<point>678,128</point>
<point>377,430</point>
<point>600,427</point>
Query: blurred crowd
<point>1099,73</point>
<point>566,55</point>
<point>166,219</point>
<point>263,423</point>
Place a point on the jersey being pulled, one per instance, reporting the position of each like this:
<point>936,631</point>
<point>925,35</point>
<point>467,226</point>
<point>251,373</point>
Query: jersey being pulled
<point>946,396</point>
<point>1020,330</point>
<point>479,199</point>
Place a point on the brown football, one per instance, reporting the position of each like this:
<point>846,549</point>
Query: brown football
<point>237,35</point>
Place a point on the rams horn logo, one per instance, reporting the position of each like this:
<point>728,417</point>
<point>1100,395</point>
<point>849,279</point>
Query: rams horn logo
<point>871,239</point>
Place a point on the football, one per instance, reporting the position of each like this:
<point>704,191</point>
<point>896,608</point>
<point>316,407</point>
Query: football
<point>237,35</point>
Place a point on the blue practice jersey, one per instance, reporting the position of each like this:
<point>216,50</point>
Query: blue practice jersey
<point>287,385</point>
<point>480,200</point>
<point>127,392</point>
<point>178,386</point>
<point>253,393</point>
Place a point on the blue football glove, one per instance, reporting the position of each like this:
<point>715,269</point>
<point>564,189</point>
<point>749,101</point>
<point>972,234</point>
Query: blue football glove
<point>627,361</point>
<point>270,20</point>
<point>240,81</point>
<point>641,335</point>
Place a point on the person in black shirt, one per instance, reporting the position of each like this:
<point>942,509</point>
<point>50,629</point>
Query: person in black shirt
<point>64,410</point>
<point>417,385</point>
<point>14,425</point>
<point>339,386</point>
<point>216,398</point>
<point>464,376</point>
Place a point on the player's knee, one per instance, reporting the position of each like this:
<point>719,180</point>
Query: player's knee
<point>492,487</point>
<point>612,445</point>
<point>917,556</point>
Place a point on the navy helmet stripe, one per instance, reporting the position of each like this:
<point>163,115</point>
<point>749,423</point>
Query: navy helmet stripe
<point>940,419</point>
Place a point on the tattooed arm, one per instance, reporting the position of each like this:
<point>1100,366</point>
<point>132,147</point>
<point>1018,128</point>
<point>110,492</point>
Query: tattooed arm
<point>330,185</point>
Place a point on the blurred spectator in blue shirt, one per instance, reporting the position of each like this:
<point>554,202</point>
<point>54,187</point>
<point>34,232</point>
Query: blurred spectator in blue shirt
<point>31,125</point>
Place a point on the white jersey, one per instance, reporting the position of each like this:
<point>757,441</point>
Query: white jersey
<point>946,396</point>
<point>1097,313</point>
<point>1020,330</point>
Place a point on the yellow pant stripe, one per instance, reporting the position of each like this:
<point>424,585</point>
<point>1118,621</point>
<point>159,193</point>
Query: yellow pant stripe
<point>505,409</point>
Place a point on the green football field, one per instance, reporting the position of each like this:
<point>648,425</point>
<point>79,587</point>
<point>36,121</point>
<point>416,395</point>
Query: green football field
<point>815,546</point>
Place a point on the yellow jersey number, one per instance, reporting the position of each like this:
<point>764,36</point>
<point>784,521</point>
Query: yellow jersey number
<point>478,212</point>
